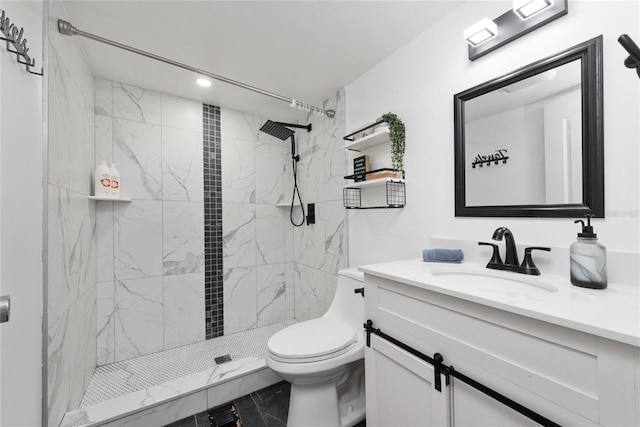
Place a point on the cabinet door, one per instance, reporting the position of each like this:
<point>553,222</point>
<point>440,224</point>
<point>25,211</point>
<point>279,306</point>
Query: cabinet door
<point>400,389</point>
<point>475,409</point>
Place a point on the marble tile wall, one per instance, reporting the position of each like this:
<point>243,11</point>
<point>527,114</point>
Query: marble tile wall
<point>320,250</point>
<point>71,283</point>
<point>274,271</point>
<point>255,262</point>
<point>150,251</point>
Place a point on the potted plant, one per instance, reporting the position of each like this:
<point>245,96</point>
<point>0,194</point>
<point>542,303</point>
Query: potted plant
<point>396,134</point>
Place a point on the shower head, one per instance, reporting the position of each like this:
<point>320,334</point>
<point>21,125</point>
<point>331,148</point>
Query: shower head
<point>282,131</point>
<point>277,130</point>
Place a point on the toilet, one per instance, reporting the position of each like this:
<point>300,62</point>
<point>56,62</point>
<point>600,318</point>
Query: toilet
<point>323,359</point>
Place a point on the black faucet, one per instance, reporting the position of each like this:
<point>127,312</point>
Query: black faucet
<point>511,260</point>
<point>510,245</point>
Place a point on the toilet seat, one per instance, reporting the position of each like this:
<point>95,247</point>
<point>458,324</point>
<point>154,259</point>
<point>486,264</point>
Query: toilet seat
<point>312,341</point>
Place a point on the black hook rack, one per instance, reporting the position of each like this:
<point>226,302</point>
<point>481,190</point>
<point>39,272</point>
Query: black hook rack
<point>13,36</point>
<point>498,156</point>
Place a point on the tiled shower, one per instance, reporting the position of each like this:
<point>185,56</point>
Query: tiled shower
<point>127,279</point>
<point>151,250</point>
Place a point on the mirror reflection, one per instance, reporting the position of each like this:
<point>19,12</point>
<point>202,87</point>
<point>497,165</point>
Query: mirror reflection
<point>523,142</point>
<point>530,143</point>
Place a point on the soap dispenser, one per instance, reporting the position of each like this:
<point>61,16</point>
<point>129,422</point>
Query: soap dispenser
<point>115,181</point>
<point>588,259</point>
<point>102,181</point>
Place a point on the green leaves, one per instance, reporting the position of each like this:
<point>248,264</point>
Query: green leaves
<point>396,133</point>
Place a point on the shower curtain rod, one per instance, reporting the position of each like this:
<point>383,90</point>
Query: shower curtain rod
<point>68,29</point>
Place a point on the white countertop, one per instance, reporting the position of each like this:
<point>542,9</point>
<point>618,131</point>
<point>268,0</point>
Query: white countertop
<point>612,313</point>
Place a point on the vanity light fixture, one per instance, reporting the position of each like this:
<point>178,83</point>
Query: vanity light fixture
<point>524,17</point>
<point>480,32</point>
<point>526,8</point>
<point>204,82</point>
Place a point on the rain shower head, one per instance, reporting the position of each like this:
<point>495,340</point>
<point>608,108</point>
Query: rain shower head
<point>282,131</point>
<point>277,130</point>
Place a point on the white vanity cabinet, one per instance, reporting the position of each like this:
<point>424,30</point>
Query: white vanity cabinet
<point>402,381</point>
<point>572,377</point>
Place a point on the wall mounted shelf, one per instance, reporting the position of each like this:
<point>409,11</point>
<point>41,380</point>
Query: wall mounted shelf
<point>394,189</point>
<point>109,199</point>
<point>287,205</point>
<point>373,183</point>
<point>377,138</point>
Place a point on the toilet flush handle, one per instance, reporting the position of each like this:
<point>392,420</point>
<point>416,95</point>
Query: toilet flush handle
<point>359,291</point>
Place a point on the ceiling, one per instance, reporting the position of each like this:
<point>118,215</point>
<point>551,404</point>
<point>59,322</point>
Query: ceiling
<point>304,50</point>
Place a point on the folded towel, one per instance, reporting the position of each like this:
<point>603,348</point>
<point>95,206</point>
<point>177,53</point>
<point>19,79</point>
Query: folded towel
<point>442,255</point>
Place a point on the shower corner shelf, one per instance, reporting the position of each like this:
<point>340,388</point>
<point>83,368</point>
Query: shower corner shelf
<point>109,199</point>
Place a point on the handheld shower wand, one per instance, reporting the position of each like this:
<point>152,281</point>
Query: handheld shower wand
<point>282,131</point>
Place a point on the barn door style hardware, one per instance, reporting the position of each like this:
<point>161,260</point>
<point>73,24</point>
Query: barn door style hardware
<point>449,371</point>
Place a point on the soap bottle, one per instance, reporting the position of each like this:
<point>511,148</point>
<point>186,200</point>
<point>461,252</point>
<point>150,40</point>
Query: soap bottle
<point>588,259</point>
<point>115,181</point>
<point>102,182</point>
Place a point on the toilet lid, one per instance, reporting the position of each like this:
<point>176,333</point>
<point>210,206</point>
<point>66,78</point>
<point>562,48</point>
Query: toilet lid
<point>312,340</point>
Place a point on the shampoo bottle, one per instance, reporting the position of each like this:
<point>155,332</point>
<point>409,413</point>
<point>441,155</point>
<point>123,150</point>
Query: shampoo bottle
<point>102,182</point>
<point>115,181</point>
<point>588,259</point>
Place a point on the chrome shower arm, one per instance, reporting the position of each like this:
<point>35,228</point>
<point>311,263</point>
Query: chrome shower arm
<point>68,29</point>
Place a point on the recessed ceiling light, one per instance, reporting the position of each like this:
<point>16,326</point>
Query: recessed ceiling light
<point>204,82</point>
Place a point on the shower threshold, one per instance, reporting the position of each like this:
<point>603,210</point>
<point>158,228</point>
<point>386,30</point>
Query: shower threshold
<point>159,388</point>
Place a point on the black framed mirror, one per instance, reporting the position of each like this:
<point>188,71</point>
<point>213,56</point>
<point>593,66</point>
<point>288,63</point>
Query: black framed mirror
<point>530,143</point>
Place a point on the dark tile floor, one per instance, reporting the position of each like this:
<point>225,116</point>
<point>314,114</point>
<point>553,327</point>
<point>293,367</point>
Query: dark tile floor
<point>264,408</point>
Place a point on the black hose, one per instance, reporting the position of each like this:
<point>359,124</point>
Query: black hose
<point>296,190</point>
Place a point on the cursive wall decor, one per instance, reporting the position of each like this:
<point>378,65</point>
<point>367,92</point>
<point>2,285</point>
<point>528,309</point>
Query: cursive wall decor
<point>13,36</point>
<point>500,154</point>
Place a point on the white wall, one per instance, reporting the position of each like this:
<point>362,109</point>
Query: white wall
<point>21,222</point>
<point>418,82</point>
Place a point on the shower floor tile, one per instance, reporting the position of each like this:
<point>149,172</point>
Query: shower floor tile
<point>128,376</point>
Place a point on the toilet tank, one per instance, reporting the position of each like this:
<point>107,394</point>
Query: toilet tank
<point>348,305</point>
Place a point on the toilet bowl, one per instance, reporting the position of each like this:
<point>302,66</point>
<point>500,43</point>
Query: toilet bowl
<point>323,359</point>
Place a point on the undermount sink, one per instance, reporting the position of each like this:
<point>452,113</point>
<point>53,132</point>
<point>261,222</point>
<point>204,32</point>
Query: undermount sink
<point>492,279</point>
